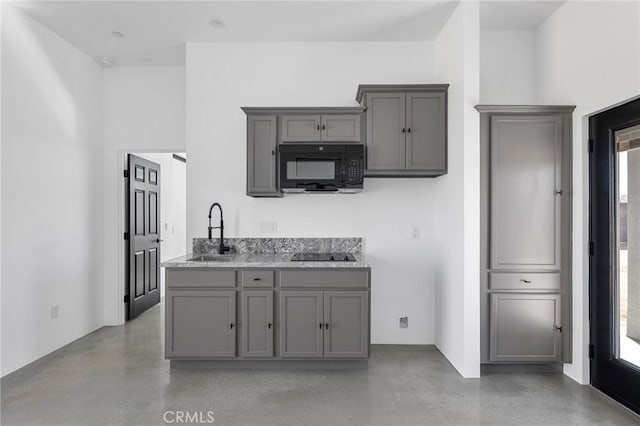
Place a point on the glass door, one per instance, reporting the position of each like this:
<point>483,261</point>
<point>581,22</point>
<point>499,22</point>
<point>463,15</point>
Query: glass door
<point>627,144</point>
<point>614,267</point>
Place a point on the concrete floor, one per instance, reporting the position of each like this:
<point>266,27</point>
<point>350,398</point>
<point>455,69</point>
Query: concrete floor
<point>117,376</point>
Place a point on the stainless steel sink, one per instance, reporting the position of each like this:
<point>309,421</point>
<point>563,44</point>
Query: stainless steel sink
<point>212,258</point>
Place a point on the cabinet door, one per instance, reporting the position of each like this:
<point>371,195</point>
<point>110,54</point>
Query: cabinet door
<point>340,128</point>
<point>201,324</point>
<point>523,327</point>
<point>261,156</point>
<point>301,128</point>
<point>346,317</point>
<point>301,325</point>
<point>385,137</point>
<point>426,131</point>
<point>525,208</point>
<point>257,323</point>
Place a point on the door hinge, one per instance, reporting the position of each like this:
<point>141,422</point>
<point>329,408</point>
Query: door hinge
<point>126,173</point>
<point>126,236</point>
<point>592,352</point>
<point>590,146</point>
<point>592,248</point>
<point>126,299</point>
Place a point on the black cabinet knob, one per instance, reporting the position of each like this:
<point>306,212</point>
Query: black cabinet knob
<point>231,326</point>
<point>404,130</point>
<point>326,326</point>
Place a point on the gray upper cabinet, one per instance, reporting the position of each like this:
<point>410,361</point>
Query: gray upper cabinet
<point>385,143</point>
<point>346,321</point>
<point>300,128</point>
<point>201,324</point>
<point>267,127</point>
<point>526,160</point>
<point>340,128</point>
<point>525,327</point>
<point>320,128</point>
<point>257,324</point>
<point>262,173</point>
<point>301,324</point>
<point>426,135</point>
<point>406,129</point>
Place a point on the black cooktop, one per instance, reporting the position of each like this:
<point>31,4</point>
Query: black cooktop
<point>323,257</point>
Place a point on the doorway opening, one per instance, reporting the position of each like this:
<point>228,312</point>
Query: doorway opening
<point>155,224</point>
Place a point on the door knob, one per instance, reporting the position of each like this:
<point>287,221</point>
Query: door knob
<point>157,240</point>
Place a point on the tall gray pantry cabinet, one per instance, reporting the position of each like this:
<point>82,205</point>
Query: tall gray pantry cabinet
<point>525,271</point>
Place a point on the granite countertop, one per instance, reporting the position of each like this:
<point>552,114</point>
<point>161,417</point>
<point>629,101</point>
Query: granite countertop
<point>261,260</point>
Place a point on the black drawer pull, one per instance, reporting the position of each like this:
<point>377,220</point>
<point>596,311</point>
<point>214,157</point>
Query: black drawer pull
<point>326,326</point>
<point>231,326</point>
<point>320,326</point>
<point>256,279</point>
<point>269,326</point>
<point>525,281</point>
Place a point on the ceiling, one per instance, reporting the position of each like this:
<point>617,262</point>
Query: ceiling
<point>155,32</point>
<point>516,15</point>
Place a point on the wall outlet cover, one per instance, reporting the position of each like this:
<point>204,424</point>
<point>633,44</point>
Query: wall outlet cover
<point>415,232</point>
<point>404,322</point>
<point>268,227</point>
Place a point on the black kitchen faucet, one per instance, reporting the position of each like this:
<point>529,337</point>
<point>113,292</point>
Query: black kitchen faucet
<point>221,248</point>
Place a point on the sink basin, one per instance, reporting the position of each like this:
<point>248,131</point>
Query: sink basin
<point>211,258</point>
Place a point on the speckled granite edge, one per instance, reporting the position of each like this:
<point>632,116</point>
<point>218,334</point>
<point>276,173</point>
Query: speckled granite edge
<point>261,260</point>
<point>204,246</point>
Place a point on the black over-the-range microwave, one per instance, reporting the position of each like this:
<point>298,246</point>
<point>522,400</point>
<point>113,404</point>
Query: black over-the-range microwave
<point>321,167</point>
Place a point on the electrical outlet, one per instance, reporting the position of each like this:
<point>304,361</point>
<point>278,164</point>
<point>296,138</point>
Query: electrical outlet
<point>415,233</point>
<point>54,311</point>
<point>268,227</point>
<point>404,322</point>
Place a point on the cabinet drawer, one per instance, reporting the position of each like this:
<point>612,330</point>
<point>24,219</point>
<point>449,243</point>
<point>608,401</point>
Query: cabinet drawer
<point>257,278</point>
<point>200,278</point>
<point>324,278</point>
<point>524,281</point>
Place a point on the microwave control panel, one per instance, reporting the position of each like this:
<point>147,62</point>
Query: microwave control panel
<point>354,171</point>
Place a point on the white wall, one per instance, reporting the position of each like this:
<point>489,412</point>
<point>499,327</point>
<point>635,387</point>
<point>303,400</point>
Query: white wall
<point>173,207</point>
<point>223,77</point>
<point>588,56</point>
<point>143,112</point>
<point>455,250</point>
<point>508,67</point>
<point>52,205</point>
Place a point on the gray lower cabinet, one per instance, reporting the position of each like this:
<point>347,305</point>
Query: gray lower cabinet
<point>406,129</point>
<point>295,315</point>
<point>346,318</point>
<point>257,323</point>
<point>525,327</point>
<point>330,324</point>
<point>262,173</point>
<point>201,323</point>
<point>301,324</point>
